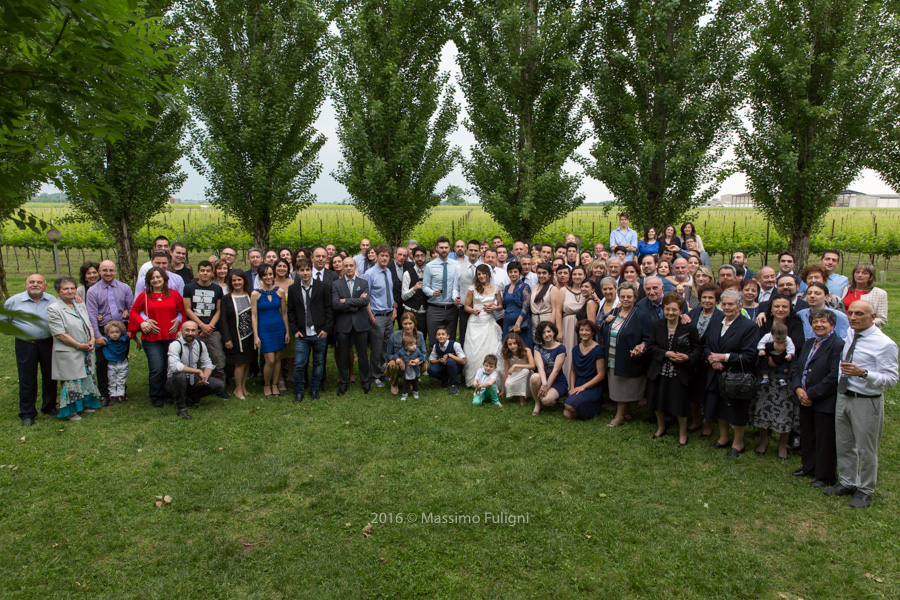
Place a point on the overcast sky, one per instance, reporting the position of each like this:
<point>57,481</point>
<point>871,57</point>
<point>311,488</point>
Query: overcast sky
<point>327,189</point>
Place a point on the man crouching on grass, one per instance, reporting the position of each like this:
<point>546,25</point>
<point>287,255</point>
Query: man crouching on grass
<point>189,371</point>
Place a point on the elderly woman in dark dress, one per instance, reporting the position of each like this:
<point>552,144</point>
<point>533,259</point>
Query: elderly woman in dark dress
<point>775,408</point>
<point>674,347</point>
<point>707,313</point>
<point>730,346</point>
<point>814,379</point>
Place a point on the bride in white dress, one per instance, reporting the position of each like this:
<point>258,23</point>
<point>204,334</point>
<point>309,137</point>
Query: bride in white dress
<point>483,333</point>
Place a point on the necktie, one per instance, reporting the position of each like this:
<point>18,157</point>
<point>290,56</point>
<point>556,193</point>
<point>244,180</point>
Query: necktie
<point>318,277</point>
<point>306,309</point>
<point>844,381</point>
<point>350,286</point>
<point>387,290</point>
<point>444,281</point>
<point>111,302</point>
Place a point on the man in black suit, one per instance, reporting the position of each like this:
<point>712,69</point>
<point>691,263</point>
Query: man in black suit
<point>814,377</point>
<point>311,316</point>
<point>321,274</point>
<point>349,299</point>
<point>397,269</point>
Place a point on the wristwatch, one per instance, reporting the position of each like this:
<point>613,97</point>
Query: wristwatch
<point>865,374</point>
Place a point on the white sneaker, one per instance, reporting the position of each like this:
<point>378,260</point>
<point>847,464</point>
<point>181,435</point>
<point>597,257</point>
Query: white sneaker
<point>416,395</point>
<point>74,417</point>
<point>89,410</point>
<point>403,397</point>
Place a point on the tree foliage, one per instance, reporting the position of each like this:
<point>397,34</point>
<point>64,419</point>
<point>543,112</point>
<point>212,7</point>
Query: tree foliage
<point>73,67</point>
<point>817,81</point>
<point>395,109</point>
<point>257,83</point>
<point>663,94</point>
<point>521,79</point>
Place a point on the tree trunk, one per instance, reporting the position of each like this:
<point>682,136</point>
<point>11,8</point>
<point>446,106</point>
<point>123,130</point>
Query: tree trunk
<point>127,268</point>
<point>261,235</point>
<point>799,247</point>
<point>4,292</point>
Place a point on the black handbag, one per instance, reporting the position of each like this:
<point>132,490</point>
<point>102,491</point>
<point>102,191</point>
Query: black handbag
<point>737,386</point>
<point>683,343</point>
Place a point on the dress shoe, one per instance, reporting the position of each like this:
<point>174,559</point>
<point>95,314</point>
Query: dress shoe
<point>454,389</point>
<point>367,387</point>
<point>839,490</point>
<point>734,452</point>
<point>705,436</point>
<point>184,414</point>
<point>801,473</point>
<point>818,483</point>
<point>684,443</point>
<point>861,500</point>
<point>719,446</point>
<point>341,391</point>
<point>314,395</point>
<point>104,401</point>
<point>299,398</point>
<point>224,395</point>
<point>52,412</point>
<point>27,421</point>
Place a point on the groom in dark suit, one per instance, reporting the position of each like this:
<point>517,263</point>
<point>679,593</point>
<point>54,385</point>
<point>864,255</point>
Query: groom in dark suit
<point>349,299</point>
<point>311,317</point>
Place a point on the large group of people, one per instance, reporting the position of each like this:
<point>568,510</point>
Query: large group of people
<point>644,321</point>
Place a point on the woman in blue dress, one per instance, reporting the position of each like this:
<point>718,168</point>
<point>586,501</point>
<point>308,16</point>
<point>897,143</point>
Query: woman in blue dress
<point>517,305</point>
<point>588,370</point>
<point>270,327</point>
<point>648,244</point>
<point>548,383</point>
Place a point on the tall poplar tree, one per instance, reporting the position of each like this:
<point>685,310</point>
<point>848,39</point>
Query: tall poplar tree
<point>256,83</point>
<point>122,183</point>
<point>395,109</point>
<point>663,92</point>
<point>817,80</point>
<point>521,79</point>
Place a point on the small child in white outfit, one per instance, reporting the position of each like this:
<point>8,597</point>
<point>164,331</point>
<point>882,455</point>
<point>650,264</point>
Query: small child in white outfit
<point>778,346</point>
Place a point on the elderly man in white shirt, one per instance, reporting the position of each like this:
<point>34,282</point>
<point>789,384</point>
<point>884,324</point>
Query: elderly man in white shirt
<point>868,366</point>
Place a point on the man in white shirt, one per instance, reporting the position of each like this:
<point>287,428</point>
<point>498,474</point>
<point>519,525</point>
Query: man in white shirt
<point>624,236</point>
<point>528,272</point>
<point>868,366</point>
<point>160,243</point>
<point>767,278</point>
<point>498,274</point>
<point>465,276</point>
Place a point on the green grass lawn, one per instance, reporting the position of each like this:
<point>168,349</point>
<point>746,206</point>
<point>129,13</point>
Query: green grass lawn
<point>269,500</point>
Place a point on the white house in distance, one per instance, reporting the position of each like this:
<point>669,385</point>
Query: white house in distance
<point>846,199</point>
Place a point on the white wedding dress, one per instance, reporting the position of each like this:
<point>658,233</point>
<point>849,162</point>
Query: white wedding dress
<point>483,336</point>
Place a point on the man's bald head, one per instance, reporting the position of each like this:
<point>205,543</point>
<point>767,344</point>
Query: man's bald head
<point>861,315</point>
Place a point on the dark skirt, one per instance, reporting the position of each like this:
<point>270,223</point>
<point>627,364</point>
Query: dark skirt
<point>237,357</point>
<point>735,412</point>
<point>588,403</point>
<point>669,395</point>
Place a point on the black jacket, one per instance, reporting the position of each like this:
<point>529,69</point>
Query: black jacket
<point>822,373</point>
<point>320,308</point>
<point>659,345</point>
<point>635,330</point>
<point>739,341</point>
<point>350,315</point>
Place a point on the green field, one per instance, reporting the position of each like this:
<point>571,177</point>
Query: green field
<point>269,501</point>
<point>862,233</point>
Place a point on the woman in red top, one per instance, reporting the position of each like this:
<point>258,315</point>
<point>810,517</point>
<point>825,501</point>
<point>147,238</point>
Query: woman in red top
<point>155,314</point>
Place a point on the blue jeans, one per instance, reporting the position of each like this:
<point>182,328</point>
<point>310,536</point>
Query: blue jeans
<point>157,363</point>
<point>303,346</point>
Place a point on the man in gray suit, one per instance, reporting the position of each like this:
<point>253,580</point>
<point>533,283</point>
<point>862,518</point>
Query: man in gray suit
<point>350,297</point>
